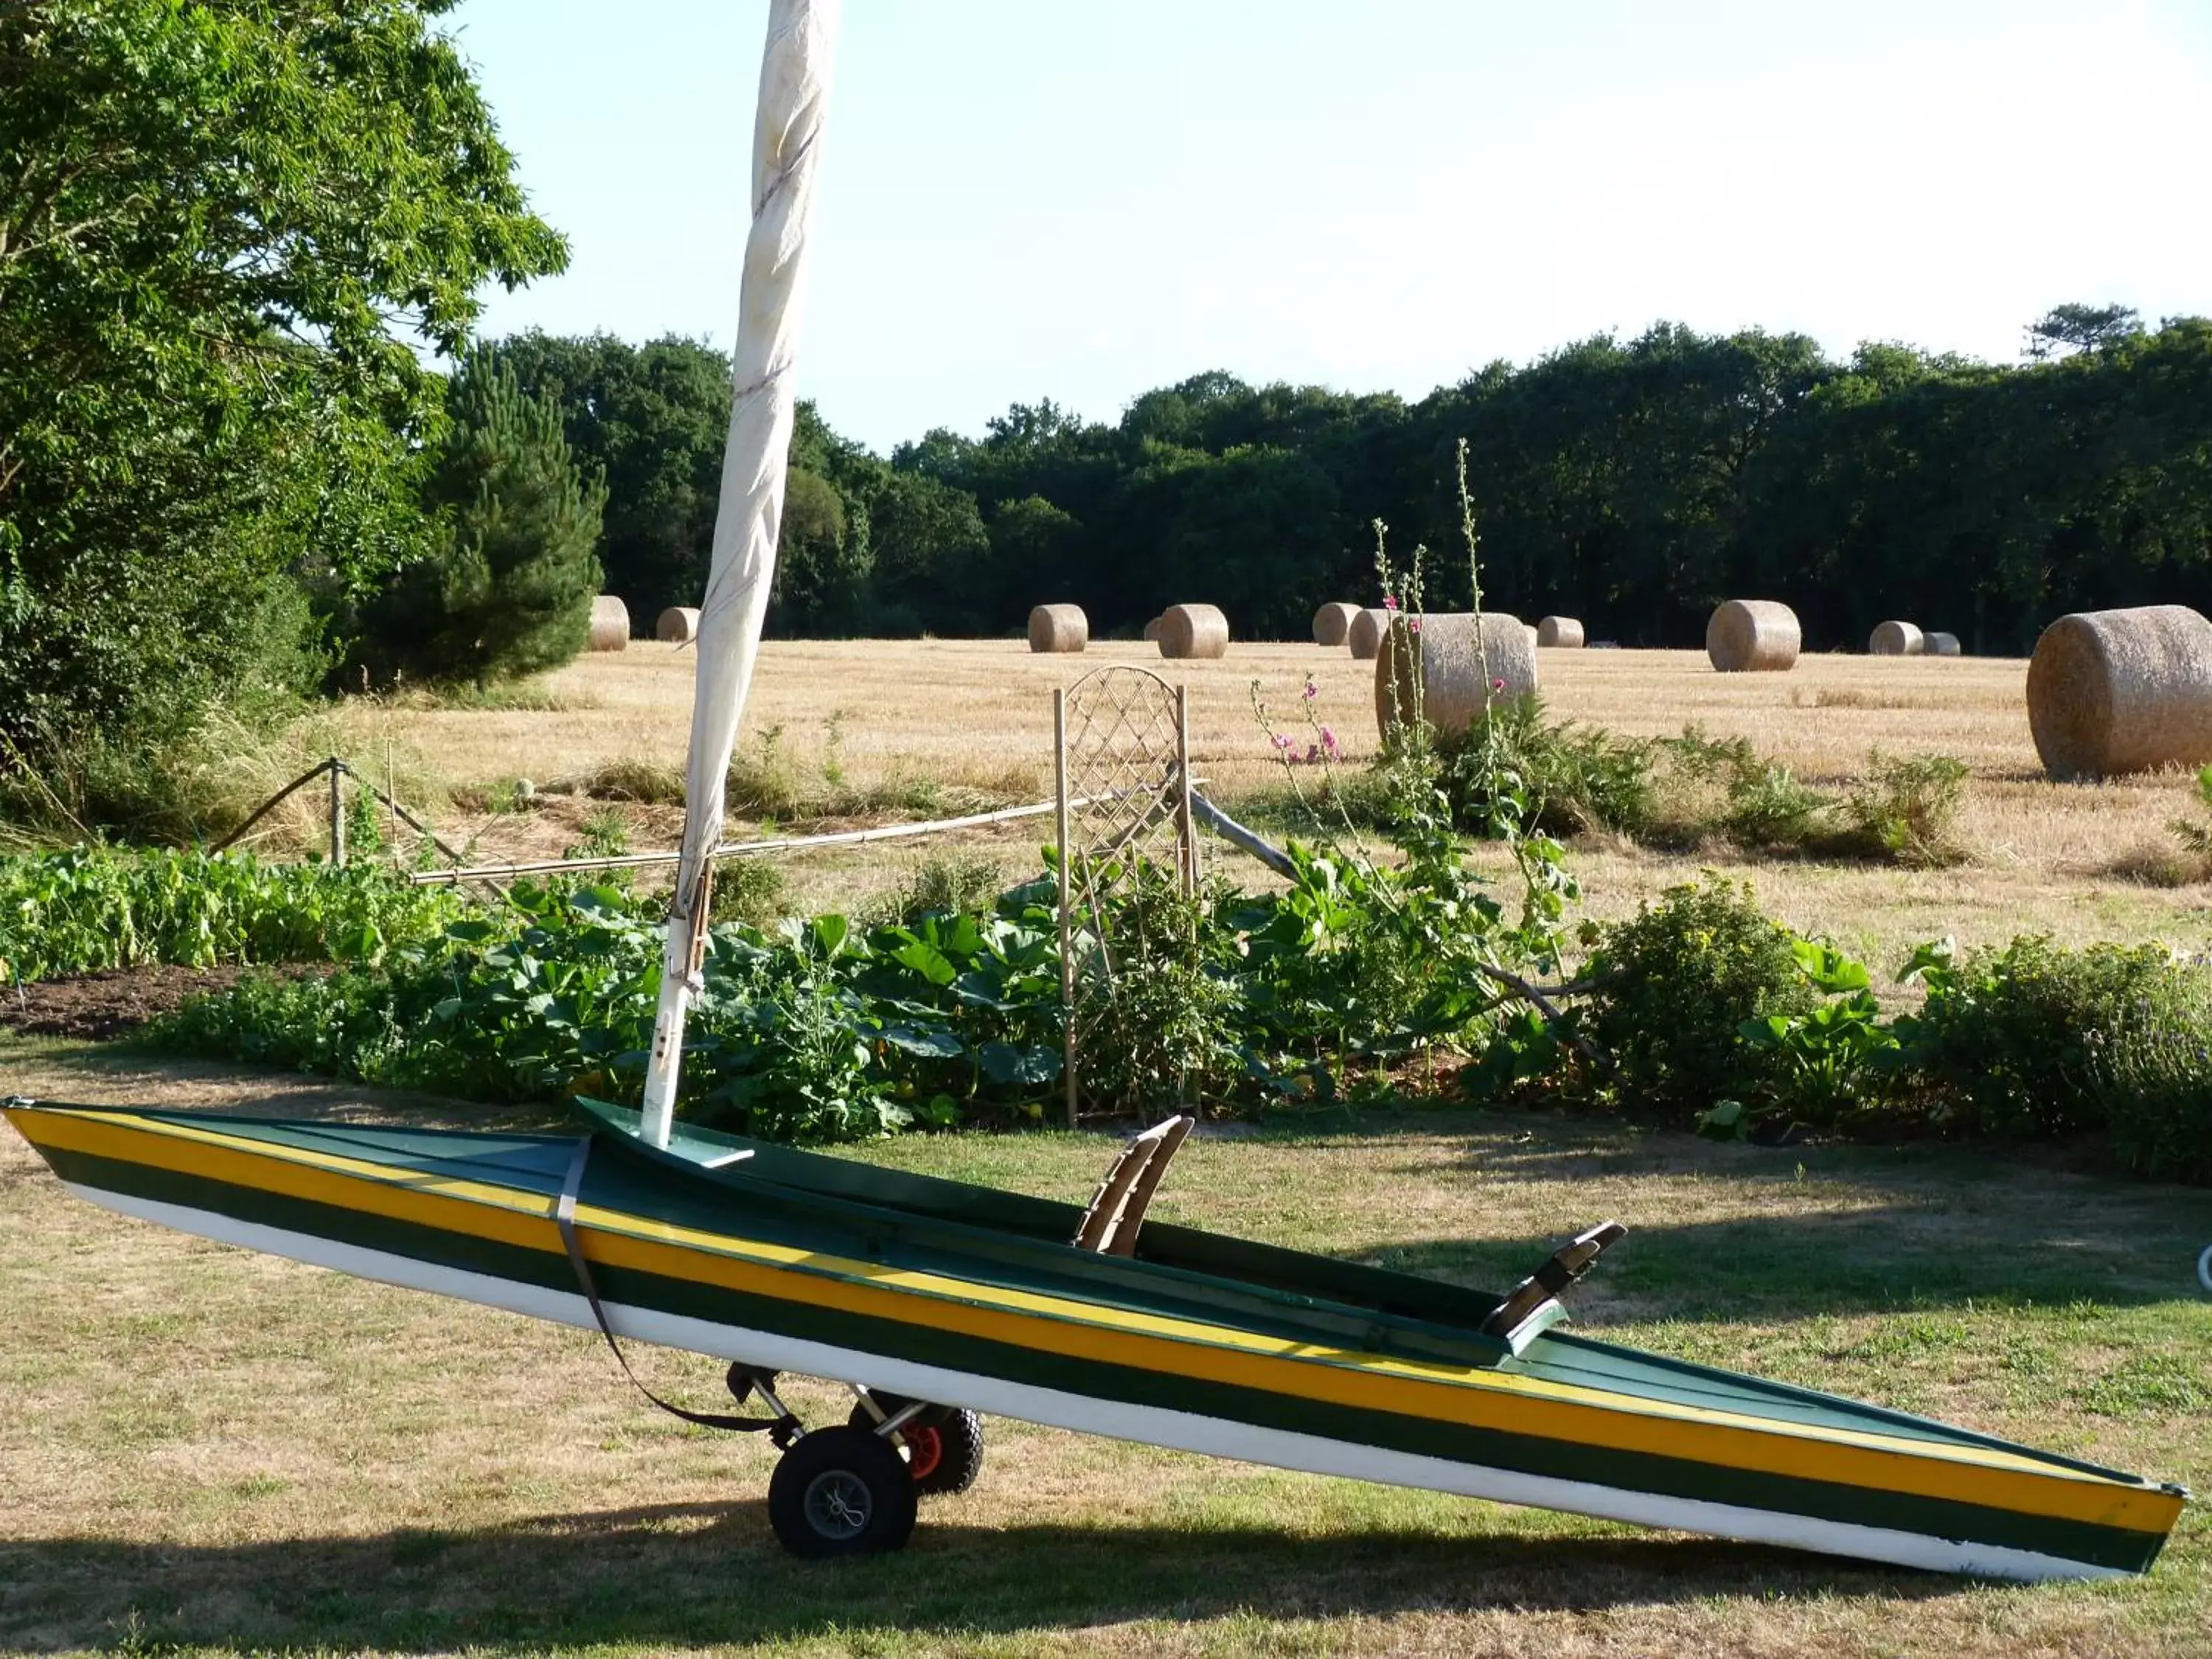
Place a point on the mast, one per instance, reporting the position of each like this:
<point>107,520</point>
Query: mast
<point>788,122</point>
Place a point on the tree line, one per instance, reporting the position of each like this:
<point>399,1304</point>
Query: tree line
<point>1635,484</point>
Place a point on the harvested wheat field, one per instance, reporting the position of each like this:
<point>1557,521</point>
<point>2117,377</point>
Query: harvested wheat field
<point>874,731</point>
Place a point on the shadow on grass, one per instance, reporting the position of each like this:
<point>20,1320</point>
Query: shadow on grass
<point>1915,1252</point>
<point>1838,1229</point>
<point>713,1574</point>
<point>158,1080</point>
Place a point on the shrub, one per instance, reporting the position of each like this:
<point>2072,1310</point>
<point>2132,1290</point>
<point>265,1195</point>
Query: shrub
<point>1907,811</point>
<point>549,994</point>
<point>1169,1033</point>
<point>1768,807</point>
<point>508,591</point>
<point>1697,755</point>
<point>347,1024</point>
<point>2154,1077</point>
<point>95,907</point>
<point>766,785</point>
<point>1692,777</point>
<point>603,834</point>
<point>1834,1062</point>
<point>750,890</point>
<point>817,1032</point>
<point>2012,1039</point>
<point>1678,982</point>
<point>949,884</point>
<point>1571,778</point>
<point>2195,835</point>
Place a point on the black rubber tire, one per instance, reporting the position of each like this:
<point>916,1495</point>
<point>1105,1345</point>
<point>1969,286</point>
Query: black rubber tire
<point>840,1491</point>
<point>951,1465</point>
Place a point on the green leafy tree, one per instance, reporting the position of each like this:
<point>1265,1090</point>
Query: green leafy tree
<point>509,589</point>
<point>821,559</point>
<point>930,543</point>
<point>2079,328</point>
<point>1034,547</point>
<point>222,223</point>
<point>652,421</point>
<point>1263,525</point>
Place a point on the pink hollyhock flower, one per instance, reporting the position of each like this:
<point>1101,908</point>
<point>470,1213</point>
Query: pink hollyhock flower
<point>1412,624</point>
<point>1283,741</point>
<point>1390,603</point>
<point>1328,740</point>
<point>1497,685</point>
<point>1312,690</point>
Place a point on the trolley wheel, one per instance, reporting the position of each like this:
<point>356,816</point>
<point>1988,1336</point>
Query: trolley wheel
<point>944,1447</point>
<point>840,1491</point>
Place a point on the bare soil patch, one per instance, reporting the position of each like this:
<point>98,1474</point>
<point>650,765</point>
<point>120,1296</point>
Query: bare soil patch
<point>117,1001</point>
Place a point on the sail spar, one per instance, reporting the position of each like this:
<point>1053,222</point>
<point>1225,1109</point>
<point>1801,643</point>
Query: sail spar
<point>788,122</point>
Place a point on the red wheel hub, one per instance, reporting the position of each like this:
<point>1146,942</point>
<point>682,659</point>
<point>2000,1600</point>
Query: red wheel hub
<point>925,1450</point>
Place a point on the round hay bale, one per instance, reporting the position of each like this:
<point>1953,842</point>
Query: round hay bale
<point>1896,639</point>
<point>1364,636</point>
<point>1059,627</point>
<point>1152,631</point>
<point>609,623</point>
<point>1942,645</point>
<point>2116,691</point>
<point>678,624</point>
<point>1333,622</point>
<point>1560,633</point>
<point>1752,636</point>
<point>1193,630</point>
<point>1454,685</point>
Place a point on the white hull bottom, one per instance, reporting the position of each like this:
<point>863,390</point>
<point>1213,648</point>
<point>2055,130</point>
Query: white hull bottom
<point>1152,1426</point>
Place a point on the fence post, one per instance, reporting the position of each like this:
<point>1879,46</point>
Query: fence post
<point>1186,830</point>
<point>337,812</point>
<point>1067,900</point>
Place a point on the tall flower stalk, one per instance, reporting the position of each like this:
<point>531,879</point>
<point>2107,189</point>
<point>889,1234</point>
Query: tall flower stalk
<point>1431,943</point>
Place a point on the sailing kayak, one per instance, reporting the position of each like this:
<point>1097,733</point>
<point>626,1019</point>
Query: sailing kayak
<point>975,1298</point>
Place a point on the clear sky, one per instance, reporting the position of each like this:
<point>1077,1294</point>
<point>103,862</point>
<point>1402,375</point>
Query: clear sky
<point>1082,199</point>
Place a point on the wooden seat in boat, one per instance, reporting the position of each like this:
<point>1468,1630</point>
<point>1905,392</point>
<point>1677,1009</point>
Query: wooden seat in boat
<point>1117,1208</point>
<point>1533,1302</point>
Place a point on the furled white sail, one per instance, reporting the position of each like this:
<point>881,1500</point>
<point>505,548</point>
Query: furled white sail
<point>788,123</point>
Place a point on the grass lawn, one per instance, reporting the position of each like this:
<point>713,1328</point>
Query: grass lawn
<point>202,1449</point>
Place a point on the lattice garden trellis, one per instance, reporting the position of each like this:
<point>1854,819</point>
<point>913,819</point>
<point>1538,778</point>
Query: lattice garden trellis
<point>1121,770</point>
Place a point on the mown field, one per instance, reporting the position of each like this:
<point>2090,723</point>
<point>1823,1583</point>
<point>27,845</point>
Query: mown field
<point>886,729</point>
<point>209,1450</point>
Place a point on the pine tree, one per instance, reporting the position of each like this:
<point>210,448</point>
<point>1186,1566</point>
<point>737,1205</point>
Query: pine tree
<point>509,590</point>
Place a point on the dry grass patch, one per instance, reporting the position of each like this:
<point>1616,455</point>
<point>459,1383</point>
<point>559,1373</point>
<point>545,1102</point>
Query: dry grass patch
<point>222,1452</point>
<point>843,732</point>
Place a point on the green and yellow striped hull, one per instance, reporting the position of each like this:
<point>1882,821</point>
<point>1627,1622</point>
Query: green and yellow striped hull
<point>971,1297</point>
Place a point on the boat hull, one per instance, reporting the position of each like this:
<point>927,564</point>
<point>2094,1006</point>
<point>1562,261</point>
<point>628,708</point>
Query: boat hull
<point>874,1312</point>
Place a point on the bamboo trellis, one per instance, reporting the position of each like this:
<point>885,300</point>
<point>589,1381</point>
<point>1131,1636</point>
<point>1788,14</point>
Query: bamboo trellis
<point>1121,769</point>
